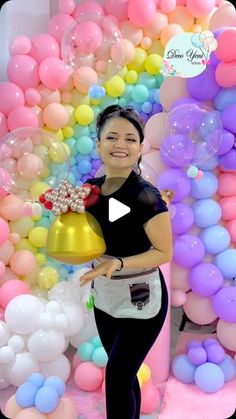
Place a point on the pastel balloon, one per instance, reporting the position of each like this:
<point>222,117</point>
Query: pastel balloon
<point>209,378</point>
<point>30,166</point>
<point>30,413</point>
<point>215,239</point>
<point>59,366</point>
<point>23,262</point>
<point>204,86</point>
<point>58,25</point>
<point>4,228</point>
<point>204,187</point>
<point>44,46</point>
<point>88,36</point>
<point>169,32</point>
<point>23,70</point>
<point>141,12</point>
<point>183,219</point>
<point>12,408</point>
<point>226,333</point>
<point>23,366</point>
<point>226,45</point>
<point>199,309</point>
<point>155,128</point>
<point>205,279</point>
<point>150,398</point>
<point>84,77</point>
<point>32,97</point>
<point>181,16</point>
<point>55,116</point>
<point>86,7</point>
<point>224,98</point>
<point>197,355</point>
<point>67,6</point>
<point>224,303</point>
<point>200,8</point>
<point>223,16</point>
<point>46,345</point>
<point>188,250</point>
<point>11,207</point>
<point>167,6</point>
<point>227,184</point>
<point>3,125</point>
<point>119,10</point>
<point>183,369</point>
<point>227,162</point>
<point>88,377</point>
<point>6,252</point>
<point>227,142</point>
<point>53,72</point>
<point>20,45</point>
<point>178,298</point>
<point>172,89</point>
<point>65,409</point>
<point>158,23</point>
<point>228,206</point>
<point>207,212</point>
<point>22,116</point>
<point>226,262</point>
<point>228,367</point>
<point>11,97</point>
<point>177,181</point>
<point>231,227</point>
<point>228,119</point>
<point>178,148</point>
<point>226,74</point>
<point>11,289</point>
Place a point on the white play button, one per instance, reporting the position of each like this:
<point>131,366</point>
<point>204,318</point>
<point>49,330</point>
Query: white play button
<point>117,210</point>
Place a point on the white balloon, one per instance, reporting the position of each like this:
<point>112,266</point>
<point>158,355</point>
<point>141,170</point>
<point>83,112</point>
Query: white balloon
<point>17,343</point>
<point>53,307</point>
<point>4,333</point>
<point>60,367</point>
<point>22,314</point>
<point>61,323</point>
<point>75,318</point>
<point>88,331</point>
<point>7,355</point>
<point>24,365</point>
<point>3,379</point>
<point>39,292</point>
<point>60,292</point>
<point>45,345</point>
<point>46,321</point>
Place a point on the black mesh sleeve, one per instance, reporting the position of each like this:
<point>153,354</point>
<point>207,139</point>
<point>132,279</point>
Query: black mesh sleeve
<point>150,203</point>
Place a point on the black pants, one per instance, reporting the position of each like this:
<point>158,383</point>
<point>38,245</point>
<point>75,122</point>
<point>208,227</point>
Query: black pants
<point>127,342</point>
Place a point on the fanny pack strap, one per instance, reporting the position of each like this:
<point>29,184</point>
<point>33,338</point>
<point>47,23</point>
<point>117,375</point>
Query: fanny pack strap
<point>125,275</point>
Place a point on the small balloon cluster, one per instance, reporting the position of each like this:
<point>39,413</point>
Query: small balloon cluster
<point>206,364</point>
<point>67,197</point>
<point>41,397</point>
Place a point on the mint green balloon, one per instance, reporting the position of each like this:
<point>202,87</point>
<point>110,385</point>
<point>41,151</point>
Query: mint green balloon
<point>80,131</point>
<point>159,80</point>
<point>147,80</point>
<point>71,142</point>
<point>107,101</point>
<point>128,90</point>
<point>123,101</point>
<point>85,351</point>
<point>100,357</point>
<point>96,341</point>
<point>84,145</point>
<point>96,110</point>
<point>139,93</point>
<point>43,222</point>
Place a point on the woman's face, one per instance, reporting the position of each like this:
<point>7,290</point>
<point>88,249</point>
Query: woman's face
<point>119,145</point>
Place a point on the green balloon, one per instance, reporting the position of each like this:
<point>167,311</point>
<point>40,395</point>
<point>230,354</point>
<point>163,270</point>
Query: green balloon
<point>147,80</point>
<point>84,145</point>
<point>139,93</point>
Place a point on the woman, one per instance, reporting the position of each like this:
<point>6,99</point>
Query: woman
<point>130,295</point>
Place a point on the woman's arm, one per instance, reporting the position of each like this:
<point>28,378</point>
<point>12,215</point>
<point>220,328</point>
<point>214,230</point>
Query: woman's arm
<point>158,230</point>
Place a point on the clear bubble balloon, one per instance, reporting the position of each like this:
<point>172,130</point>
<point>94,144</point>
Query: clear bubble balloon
<point>93,49</point>
<point>27,157</point>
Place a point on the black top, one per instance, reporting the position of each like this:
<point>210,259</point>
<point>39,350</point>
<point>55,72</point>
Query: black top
<point>126,236</point>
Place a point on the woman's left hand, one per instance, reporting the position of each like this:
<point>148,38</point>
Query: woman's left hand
<point>105,268</point>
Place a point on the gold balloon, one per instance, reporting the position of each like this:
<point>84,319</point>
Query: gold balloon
<point>75,238</point>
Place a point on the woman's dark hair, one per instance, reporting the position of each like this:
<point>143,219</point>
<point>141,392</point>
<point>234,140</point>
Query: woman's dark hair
<point>116,111</point>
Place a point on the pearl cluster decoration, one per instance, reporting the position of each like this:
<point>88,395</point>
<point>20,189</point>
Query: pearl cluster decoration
<point>67,197</point>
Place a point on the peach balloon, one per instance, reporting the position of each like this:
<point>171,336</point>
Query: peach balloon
<point>172,89</point>
<point>171,30</point>
<point>199,309</point>
<point>23,262</point>
<point>68,86</point>
<point>167,6</point>
<point>231,227</point>
<point>182,16</point>
<point>228,206</point>
<point>6,252</point>
<point>155,129</point>
<point>146,42</point>
<point>226,333</point>
<point>205,21</point>
<point>30,413</point>
<point>225,15</point>
<point>178,298</point>
<point>12,408</point>
<point>11,207</point>
<point>66,409</point>
<point>48,96</point>
<point>227,184</point>
<point>130,32</point>
<point>55,116</point>
<point>84,77</point>
<point>30,166</point>
<point>4,229</point>
<point>32,97</point>
<point>66,97</point>
<point>152,158</point>
<point>7,275</point>
<point>160,21</point>
<point>179,278</point>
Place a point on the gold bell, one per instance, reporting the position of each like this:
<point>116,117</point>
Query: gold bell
<point>75,238</point>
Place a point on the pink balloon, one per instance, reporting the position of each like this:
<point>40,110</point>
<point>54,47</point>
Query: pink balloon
<point>2,270</point>
<point>30,413</point>
<point>53,72</point>
<point>20,45</point>
<point>58,25</point>
<point>141,12</point>
<point>178,298</point>
<point>179,278</point>
<point>224,16</point>
<point>226,333</point>
<point>23,262</point>
<point>88,36</point>
<point>44,46</point>
<point>55,116</point>
<point>146,146</point>
<point>3,125</point>
<point>22,116</point>
<point>199,309</point>
<point>167,6</point>
<point>11,96</point>
<point>150,398</point>
<point>227,184</point>
<point>228,206</point>
<point>159,22</point>
<point>172,89</point>
<point>154,130</point>
<point>23,70</point>
<point>87,7</point>
<point>48,96</point>
<point>12,289</point>
<point>88,377</point>
<point>117,8</point>
<point>65,409</point>
<point>5,182</point>
<point>231,227</point>
<point>6,252</point>
<point>226,74</point>
<point>32,97</point>
<point>66,6</point>
<point>7,275</point>
<point>4,231</point>
<point>226,49</point>
<point>11,207</point>
<point>200,8</point>
<point>12,408</point>
<point>30,166</point>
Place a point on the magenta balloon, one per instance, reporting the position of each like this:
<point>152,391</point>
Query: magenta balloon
<point>178,148</point>
<point>224,303</point>
<point>204,86</point>
<point>197,355</point>
<point>227,142</point>
<point>183,219</point>
<point>177,181</point>
<point>188,250</point>
<point>228,118</point>
<point>228,160</point>
<point>205,279</point>
<point>215,353</point>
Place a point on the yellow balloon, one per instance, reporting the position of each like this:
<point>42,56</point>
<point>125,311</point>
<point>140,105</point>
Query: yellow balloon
<point>59,135</point>
<point>137,63</point>
<point>24,244</point>
<point>71,110</point>
<point>41,258</point>
<point>95,102</point>
<point>22,226</point>
<point>144,373</point>
<point>84,114</point>
<point>45,172</point>
<point>140,380</point>
<point>131,76</point>
<point>38,236</point>
<point>78,98</point>
<point>68,132</point>
<point>115,87</point>
<point>67,149</point>
<point>38,189</point>
<point>47,277</point>
<point>57,153</point>
<point>153,63</point>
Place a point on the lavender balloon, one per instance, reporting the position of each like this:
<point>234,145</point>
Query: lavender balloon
<point>209,377</point>
<point>205,279</point>
<point>228,367</point>
<point>183,219</point>
<point>188,250</point>
<point>177,181</point>
<point>178,148</point>
<point>204,86</point>
<point>193,344</point>
<point>228,118</point>
<point>185,118</point>
<point>228,160</point>
<point>197,355</point>
<point>227,142</point>
<point>224,303</point>
<point>183,369</point>
<point>215,353</point>
<point>209,341</point>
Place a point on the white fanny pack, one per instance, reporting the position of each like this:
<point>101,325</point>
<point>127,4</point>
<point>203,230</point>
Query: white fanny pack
<point>131,296</point>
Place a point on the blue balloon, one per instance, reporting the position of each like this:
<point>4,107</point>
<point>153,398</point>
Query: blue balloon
<point>25,395</point>
<point>71,142</point>
<point>183,369</point>
<point>215,239</point>
<point>46,399</point>
<point>228,367</point>
<point>36,379</point>
<point>94,155</point>
<point>85,351</point>
<point>210,164</point>
<point>209,377</point>
<point>100,357</point>
<point>207,212</point>
<point>204,187</point>
<point>96,341</point>
<point>57,383</point>
<point>224,98</point>
<point>226,262</point>
<point>147,107</point>
<point>84,167</point>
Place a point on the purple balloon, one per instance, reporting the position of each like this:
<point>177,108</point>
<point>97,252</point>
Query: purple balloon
<point>228,160</point>
<point>193,344</point>
<point>209,341</point>
<point>167,161</point>
<point>177,181</point>
<point>209,377</point>
<point>183,219</point>
<point>96,164</point>
<point>144,117</point>
<point>205,279</point>
<point>204,86</point>
<point>215,353</point>
<point>156,108</point>
<point>227,142</point>
<point>214,60</point>
<point>228,118</point>
<point>185,118</point>
<point>188,250</point>
<point>178,148</point>
<point>224,304</point>
<point>197,355</point>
